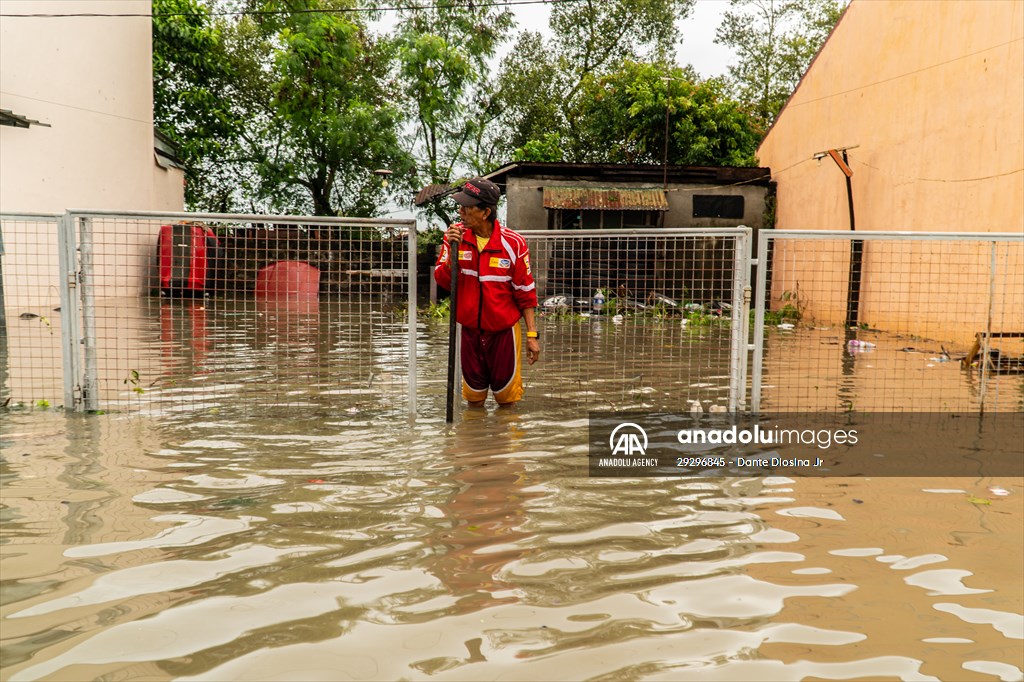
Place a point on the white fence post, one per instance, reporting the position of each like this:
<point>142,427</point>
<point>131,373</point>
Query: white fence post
<point>71,338</point>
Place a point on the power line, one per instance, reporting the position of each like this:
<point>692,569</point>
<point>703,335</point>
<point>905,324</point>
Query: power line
<point>341,10</point>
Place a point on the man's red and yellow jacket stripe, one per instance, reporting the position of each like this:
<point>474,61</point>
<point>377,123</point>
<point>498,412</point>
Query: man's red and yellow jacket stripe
<point>495,285</point>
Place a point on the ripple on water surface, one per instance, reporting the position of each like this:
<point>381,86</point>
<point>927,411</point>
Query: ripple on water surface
<point>316,550</point>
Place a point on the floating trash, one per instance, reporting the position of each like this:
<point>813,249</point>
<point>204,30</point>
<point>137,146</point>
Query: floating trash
<point>1000,492</point>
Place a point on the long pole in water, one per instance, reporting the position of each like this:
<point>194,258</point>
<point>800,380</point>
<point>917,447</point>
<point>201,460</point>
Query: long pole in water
<point>453,257</point>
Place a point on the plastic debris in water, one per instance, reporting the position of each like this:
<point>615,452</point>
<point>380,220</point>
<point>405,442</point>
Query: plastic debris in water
<point>1001,492</point>
<point>855,343</point>
<point>785,325</point>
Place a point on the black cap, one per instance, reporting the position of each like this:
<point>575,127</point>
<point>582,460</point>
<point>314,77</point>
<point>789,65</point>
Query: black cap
<point>478,191</point>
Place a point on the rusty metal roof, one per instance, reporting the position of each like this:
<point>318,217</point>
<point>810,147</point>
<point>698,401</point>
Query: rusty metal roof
<point>593,198</point>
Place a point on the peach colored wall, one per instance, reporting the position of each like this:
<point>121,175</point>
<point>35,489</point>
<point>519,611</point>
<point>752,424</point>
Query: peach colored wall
<point>932,92</point>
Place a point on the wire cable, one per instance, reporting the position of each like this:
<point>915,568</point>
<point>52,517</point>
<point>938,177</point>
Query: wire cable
<point>340,10</point>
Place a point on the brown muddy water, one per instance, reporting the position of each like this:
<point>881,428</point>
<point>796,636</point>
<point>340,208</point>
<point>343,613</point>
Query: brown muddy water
<point>224,543</point>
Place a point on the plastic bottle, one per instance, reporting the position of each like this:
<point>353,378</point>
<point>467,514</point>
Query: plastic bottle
<point>598,302</point>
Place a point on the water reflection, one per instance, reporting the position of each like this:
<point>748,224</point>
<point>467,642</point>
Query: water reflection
<point>485,512</point>
<point>225,543</point>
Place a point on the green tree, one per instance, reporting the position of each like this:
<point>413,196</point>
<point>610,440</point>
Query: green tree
<point>442,52</point>
<point>622,117</point>
<point>334,115</point>
<point>774,41</point>
<point>540,81</point>
<point>313,110</point>
<point>192,75</point>
<point>546,149</point>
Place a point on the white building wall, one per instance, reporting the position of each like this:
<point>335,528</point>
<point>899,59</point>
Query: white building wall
<point>91,79</point>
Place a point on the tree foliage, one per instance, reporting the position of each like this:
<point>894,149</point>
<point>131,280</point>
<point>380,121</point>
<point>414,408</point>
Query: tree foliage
<point>192,74</point>
<point>774,41</point>
<point>334,114</point>
<point>540,81</point>
<point>624,115</point>
<point>442,53</point>
<point>292,110</point>
<point>315,112</point>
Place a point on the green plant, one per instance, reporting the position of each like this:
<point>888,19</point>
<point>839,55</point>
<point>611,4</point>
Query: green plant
<point>133,380</point>
<point>697,318</point>
<point>42,404</point>
<point>439,310</point>
<point>429,237</point>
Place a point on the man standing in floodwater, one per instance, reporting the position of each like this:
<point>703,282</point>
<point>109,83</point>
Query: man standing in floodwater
<point>496,290</point>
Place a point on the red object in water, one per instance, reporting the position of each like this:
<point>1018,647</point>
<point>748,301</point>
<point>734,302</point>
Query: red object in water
<point>184,251</point>
<point>288,279</point>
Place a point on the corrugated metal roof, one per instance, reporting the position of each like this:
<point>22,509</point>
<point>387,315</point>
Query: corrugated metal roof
<point>605,199</point>
<point>9,118</point>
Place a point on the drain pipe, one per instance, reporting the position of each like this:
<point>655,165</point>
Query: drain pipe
<point>856,245</point>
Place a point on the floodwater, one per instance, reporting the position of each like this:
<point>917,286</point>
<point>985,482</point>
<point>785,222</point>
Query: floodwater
<point>226,543</point>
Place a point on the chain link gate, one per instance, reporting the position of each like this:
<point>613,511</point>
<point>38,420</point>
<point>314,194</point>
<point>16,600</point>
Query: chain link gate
<point>31,310</point>
<point>672,331</point>
<point>185,312</point>
<point>889,322</point>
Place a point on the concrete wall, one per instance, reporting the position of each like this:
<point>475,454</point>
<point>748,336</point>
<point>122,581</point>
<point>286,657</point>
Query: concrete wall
<point>932,94</point>
<point>525,208</point>
<point>91,79</point>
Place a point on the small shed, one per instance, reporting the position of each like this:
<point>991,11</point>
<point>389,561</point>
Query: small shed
<point>572,197</point>
<point>566,196</point>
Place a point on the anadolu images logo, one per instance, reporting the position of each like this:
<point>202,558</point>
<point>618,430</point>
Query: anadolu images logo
<point>628,439</point>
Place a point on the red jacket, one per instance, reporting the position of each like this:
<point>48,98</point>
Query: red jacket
<point>494,286</point>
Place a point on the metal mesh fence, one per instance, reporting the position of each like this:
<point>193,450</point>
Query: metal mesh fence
<point>207,312</point>
<point>179,313</point>
<point>663,332</point>
<point>890,322</point>
<point>30,311</point>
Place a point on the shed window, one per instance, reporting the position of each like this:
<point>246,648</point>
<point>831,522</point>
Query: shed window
<point>717,206</point>
<point>575,219</point>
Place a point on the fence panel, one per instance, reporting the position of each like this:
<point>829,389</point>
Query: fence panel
<point>668,335</point>
<point>893,333</point>
<point>187,312</point>
<point>30,311</point>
